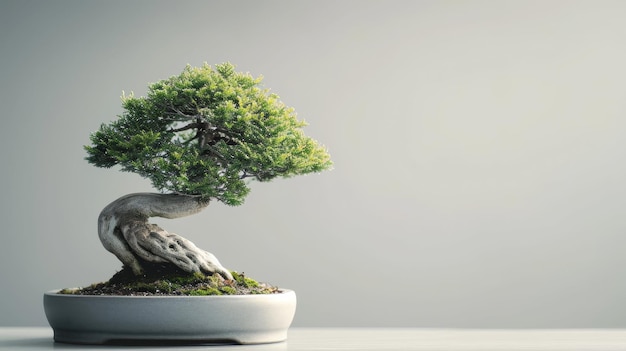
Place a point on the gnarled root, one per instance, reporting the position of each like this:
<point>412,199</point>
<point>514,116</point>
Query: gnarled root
<point>154,244</point>
<point>124,230</point>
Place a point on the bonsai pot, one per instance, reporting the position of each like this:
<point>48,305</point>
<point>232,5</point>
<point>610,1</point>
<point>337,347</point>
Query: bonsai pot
<point>109,319</point>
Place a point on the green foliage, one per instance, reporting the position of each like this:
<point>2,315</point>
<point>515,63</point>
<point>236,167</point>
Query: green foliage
<point>242,280</point>
<point>207,132</point>
<point>204,292</point>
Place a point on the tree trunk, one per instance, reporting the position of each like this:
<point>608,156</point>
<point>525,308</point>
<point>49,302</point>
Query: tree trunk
<point>124,230</point>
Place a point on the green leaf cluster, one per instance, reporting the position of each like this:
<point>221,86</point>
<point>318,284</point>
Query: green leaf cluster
<point>206,132</point>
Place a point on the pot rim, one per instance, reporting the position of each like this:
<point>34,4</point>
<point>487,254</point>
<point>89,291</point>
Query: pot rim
<point>281,292</point>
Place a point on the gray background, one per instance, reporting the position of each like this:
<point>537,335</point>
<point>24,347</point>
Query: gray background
<point>479,152</point>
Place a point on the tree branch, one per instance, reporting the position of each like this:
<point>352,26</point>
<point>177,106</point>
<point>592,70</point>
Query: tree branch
<point>187,127</point>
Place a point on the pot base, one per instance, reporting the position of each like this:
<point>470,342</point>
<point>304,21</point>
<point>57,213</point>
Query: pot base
<point>233,338</point>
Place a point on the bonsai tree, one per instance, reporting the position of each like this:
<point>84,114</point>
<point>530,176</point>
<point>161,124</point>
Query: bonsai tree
<point>199,136</point>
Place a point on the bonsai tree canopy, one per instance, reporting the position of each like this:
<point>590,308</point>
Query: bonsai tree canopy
<point>198,136</point>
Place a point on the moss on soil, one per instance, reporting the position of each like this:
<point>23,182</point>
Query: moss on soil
<point>165,280</point>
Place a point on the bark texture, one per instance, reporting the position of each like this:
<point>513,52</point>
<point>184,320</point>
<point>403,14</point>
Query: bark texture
<point>124,230</point>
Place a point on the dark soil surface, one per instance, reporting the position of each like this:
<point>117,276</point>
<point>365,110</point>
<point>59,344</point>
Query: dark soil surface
<point>167,280</point>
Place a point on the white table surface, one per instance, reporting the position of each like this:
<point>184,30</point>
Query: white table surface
<point>328,339</point>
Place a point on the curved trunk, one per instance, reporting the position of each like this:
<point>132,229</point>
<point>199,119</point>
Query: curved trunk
<point>124,230</point>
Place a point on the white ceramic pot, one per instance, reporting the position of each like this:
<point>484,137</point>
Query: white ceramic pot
<point>105,319</point>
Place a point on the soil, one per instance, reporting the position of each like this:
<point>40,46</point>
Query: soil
<point>168,280</point>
